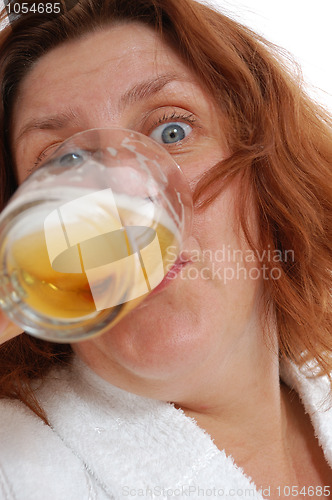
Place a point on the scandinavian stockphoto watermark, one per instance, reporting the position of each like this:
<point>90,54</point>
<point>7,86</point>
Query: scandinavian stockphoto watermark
<point>86,235</point>
<point>187,491</point>
<point>195,491</point>
<point>227,264</point>
<point>124,262</point>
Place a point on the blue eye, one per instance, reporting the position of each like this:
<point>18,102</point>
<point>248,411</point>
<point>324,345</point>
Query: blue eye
<point>71,159</point>
<point>169,133</point>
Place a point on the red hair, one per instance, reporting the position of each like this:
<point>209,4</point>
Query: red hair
<point>280,144</point>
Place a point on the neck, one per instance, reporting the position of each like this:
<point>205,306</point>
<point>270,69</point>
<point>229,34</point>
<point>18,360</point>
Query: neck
<point>246,413</point>
<point>266,431</point>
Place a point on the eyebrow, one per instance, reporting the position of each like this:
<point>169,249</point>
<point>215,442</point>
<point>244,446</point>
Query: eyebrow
<point>54,122</point>
<point>146,89</point>
<point>138,92</point>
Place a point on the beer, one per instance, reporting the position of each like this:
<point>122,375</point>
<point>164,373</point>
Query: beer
<point>71,296</point>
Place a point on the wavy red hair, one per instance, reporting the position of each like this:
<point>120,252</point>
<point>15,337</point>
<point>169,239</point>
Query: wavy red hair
<point>281,151</point>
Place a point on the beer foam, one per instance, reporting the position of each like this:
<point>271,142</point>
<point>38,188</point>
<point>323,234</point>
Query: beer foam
<point>133,210</point>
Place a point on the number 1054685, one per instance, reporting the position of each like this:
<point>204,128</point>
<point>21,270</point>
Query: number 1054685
<point>305,491</point>
<point>37,8</point>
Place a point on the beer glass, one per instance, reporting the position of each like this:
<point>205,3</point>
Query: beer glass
<point>88,235</point>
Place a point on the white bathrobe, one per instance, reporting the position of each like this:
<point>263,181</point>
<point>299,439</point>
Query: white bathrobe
<point>107,443</point>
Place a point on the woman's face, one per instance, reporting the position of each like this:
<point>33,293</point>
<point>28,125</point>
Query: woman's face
<point>207,318</point>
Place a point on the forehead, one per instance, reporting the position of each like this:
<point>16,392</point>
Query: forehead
<point>106,61</point>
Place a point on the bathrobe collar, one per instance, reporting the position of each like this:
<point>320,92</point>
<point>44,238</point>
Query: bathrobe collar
<point>132,444</point>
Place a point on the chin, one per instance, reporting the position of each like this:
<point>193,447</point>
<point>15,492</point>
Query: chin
<point>147,346</point>
<point>164,338</point>
<point>158,339</point>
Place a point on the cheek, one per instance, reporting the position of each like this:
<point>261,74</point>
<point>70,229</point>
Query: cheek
<point>200,158</point>
<point>215,226</point>
<point>226,262</point>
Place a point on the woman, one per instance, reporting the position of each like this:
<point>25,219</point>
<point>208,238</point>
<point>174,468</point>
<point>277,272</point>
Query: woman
<point>256,152</point>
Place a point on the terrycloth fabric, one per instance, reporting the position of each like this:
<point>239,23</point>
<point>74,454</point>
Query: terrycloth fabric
<point>107,443</point>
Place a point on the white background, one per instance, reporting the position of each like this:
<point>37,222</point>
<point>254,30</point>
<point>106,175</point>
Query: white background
<point>303,27</point>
